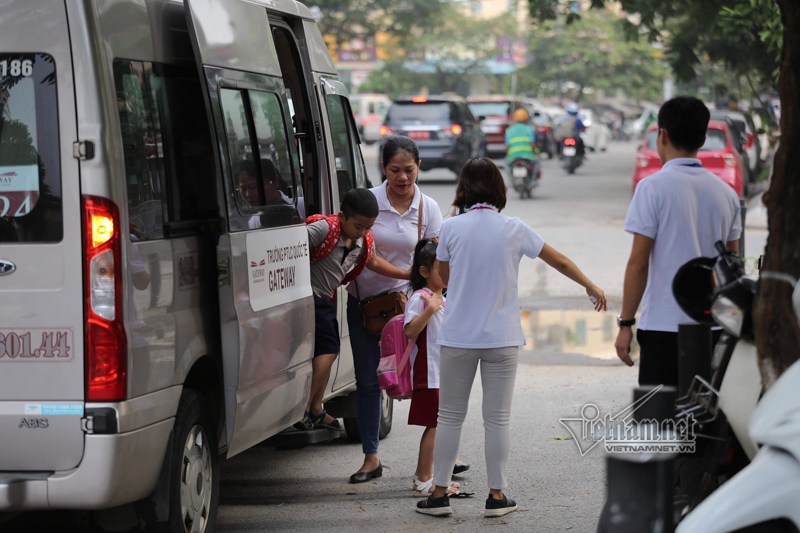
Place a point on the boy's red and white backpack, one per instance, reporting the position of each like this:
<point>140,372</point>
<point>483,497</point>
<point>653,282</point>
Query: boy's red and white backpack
<point>332,239</point>
<point>394,368</point>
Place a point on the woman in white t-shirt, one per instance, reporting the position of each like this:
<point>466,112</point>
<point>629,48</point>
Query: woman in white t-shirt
<point>396,231</point>
<point>479,253</point>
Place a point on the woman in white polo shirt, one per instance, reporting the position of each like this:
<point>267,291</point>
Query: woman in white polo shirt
<point>479,253</point>
<point>396,232</point>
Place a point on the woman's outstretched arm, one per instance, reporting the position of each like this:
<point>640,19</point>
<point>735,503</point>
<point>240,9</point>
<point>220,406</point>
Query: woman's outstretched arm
<point>563,264</point>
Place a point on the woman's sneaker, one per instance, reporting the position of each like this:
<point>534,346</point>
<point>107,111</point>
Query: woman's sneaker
<point>435,506</point>
<point>499,507</point>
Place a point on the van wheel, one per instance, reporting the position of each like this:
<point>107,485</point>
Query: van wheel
<point>387,412</point>
<point>194,467</point>
<point>352,430</point>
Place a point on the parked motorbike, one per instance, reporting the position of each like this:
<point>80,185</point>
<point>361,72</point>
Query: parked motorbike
<point>571,160</point>
<point>716,291</point>
<point>763,496</point>
<point>525,176</point>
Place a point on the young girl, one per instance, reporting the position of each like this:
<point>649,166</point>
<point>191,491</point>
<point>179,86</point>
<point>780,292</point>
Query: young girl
<point>423,317</point>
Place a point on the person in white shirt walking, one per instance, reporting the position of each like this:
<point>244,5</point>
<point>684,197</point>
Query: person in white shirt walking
<point>676,214</point>
<point>479,253</point>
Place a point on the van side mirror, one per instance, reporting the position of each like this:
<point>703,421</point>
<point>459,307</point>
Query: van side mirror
<point>480,118</point>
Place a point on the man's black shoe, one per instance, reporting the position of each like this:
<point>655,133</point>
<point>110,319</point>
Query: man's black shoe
<point>435,506</point>
<point>499,507</point>
<point>363,477</point>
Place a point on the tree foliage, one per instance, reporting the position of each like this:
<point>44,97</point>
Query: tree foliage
<point>592,53</point>
<point>402,19</point>
<point>745,35</point>
<point>442,57</point>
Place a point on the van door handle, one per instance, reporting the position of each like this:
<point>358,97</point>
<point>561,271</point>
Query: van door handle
<point>223,272</point>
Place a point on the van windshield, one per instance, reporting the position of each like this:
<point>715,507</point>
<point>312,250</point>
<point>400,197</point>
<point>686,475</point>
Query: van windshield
<point>30,175</point>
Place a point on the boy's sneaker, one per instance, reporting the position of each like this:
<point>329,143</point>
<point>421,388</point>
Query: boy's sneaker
<point>499,507</point>
<point>435,506</point>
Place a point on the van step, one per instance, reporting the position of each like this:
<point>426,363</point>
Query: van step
<point>292,437</point>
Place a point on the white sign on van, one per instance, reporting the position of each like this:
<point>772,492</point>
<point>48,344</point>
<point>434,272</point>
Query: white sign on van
<point>278,266</point>
<point>19,189</point>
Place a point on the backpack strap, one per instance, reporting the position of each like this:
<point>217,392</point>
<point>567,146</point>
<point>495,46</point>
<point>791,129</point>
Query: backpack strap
<point>331,239</point>
<point>353,274</point>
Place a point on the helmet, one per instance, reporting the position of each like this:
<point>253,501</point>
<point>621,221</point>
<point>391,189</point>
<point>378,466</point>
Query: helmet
<point>693,288</point>
<point>573,109</point>
<point>520,115</point>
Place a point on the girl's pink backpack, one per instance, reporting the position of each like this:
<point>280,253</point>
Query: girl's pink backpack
<point>394,368</point>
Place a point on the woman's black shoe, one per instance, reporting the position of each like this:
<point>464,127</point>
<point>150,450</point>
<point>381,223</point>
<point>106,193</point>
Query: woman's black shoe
<point>363,477</point>
<point>460,467</point>
<point>499,507</point>
<point>435,506</point>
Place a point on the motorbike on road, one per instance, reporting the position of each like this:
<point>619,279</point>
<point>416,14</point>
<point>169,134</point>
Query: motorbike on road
<point>571,160</point>
<point>525,176</point>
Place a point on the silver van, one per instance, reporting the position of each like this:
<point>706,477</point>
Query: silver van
<point>157,161</point>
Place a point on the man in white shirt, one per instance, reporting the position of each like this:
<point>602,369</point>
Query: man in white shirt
<point>676,214</point>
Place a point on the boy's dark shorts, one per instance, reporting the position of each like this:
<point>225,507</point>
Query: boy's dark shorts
<point>326,327</point>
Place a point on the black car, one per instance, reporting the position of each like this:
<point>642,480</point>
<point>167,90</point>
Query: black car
<point>443,127</point>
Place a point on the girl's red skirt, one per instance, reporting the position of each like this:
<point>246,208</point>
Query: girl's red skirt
<point>424,408</point>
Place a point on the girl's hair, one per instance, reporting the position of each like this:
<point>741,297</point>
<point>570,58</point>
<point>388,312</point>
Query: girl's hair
<point>424,256</point>
<point>480,181</point>
<point>398,143</point>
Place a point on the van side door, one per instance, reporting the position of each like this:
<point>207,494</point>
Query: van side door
<point>266,304</point>
<point>346,164</point>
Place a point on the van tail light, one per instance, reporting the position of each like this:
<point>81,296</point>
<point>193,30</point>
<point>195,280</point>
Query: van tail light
<point>729,159</point>
<point>386,130</point>
<point>106,346</point>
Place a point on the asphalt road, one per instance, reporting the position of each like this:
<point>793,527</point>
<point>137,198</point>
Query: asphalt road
<point>567,363</point>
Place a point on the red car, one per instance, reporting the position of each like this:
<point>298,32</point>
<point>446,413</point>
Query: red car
<point>497,111</point>
<point>718,155</point>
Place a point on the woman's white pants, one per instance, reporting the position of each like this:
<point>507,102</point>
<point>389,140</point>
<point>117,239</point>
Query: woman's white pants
<point>457,373</point>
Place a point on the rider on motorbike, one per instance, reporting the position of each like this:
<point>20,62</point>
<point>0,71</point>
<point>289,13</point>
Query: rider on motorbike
<point>572,126</point>
<point>521,141</point>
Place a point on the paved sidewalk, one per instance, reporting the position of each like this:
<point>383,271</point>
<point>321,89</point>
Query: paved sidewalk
<point>556,489</point>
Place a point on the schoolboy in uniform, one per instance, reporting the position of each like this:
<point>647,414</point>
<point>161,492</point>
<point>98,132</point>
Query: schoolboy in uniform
<point>358,213</point>
<point>677,214</point>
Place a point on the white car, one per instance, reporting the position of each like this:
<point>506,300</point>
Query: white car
<point>597,134</point>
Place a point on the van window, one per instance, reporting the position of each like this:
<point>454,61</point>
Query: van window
<point>349,171</point>
<point>30,173</point>
<point>167,146</point>
<point>371,108</point>
<point>356,105</point>
<point>255,130</point>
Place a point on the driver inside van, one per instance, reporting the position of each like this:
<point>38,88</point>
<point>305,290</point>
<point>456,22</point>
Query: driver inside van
<point>247,185</point>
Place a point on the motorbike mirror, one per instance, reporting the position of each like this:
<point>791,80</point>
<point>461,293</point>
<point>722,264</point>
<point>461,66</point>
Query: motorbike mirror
<point>693,288</point>
<point>796,302</point>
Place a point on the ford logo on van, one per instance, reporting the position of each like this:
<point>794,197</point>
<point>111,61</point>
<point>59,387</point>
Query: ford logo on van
<point>6,267</point>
